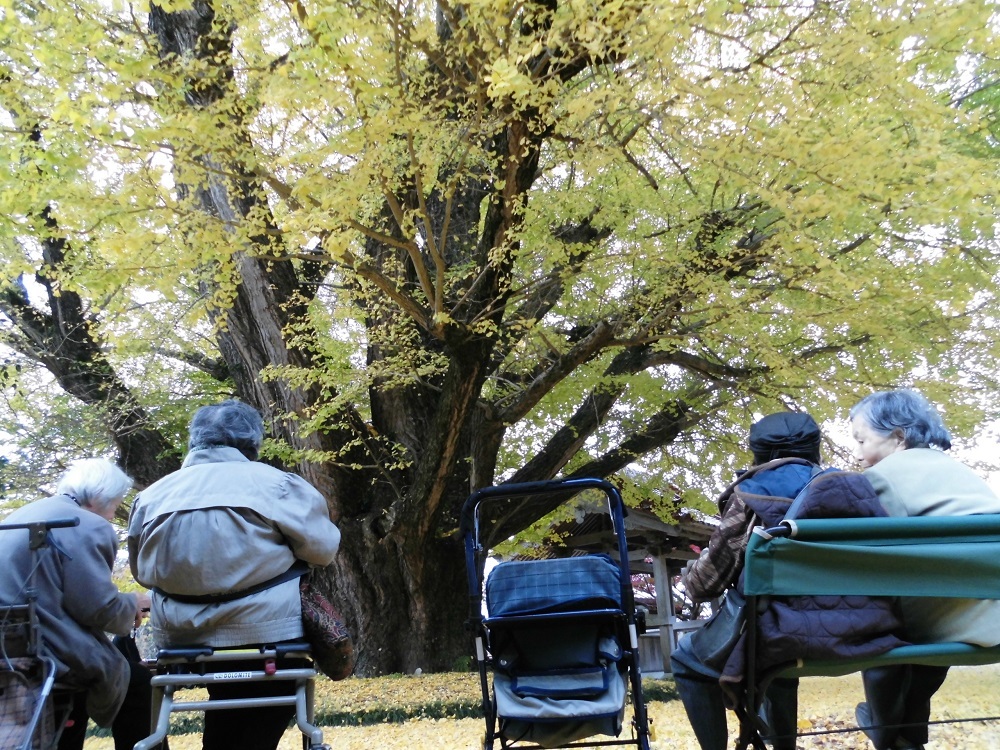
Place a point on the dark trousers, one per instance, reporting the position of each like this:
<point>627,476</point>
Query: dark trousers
<point>133,720</point>
<point>704,703</point>
<point>899,698</point>
<point>249,728</point>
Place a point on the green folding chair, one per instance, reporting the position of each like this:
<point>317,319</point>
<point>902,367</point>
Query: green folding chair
<point>939,556</point>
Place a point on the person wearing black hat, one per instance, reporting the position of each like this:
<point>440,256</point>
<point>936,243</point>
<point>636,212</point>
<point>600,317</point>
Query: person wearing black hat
<point>783,435</point>
<point>770,490</point>
<point>708,669</point>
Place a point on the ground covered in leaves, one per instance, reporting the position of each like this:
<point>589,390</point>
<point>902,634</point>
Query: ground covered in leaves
<point>443,711</point>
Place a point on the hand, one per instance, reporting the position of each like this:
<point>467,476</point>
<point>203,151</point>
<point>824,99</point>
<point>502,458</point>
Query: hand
<point>142,603</point>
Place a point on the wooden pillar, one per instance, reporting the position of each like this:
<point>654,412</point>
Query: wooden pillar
<point>664,607</point>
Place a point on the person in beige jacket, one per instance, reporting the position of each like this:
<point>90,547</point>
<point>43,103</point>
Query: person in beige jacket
<point>901,442</point>
<point>221,524</point>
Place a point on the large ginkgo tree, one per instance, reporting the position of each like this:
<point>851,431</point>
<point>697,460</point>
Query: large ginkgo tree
<point>445,244</point>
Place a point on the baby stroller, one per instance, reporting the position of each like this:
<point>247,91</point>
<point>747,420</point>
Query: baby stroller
<point>29,716</point>
<point>561,636</point>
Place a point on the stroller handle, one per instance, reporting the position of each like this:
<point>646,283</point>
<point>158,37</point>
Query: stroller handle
<point>470,510</point>
<point>469,527</point>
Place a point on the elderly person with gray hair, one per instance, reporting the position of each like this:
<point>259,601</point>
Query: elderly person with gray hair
<point>78,604</point>
<point>901,446</point>
<point>223,524</point>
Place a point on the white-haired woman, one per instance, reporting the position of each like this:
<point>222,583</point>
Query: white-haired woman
<point>78,603</point>
<point>901,442</point>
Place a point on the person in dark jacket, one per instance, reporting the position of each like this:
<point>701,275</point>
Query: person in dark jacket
<point>777,436</point>
<point>792,627</point>
<point>822,627</point>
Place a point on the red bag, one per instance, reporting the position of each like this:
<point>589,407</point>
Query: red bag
<point>332,649</point>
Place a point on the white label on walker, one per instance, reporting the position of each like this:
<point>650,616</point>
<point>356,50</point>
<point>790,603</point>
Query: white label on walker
<point>232,675</point>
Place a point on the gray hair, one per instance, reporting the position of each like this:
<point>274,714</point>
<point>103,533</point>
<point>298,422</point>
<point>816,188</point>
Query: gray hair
<point>95,483</point>
<point>230,423</point>
<point>906,413</point>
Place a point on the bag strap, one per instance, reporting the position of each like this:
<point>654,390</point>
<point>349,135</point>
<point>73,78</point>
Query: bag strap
<point>298,569</point>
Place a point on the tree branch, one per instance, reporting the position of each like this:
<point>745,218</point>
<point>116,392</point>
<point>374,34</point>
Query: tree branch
<point>596,341</point>
<point>62,340</point>
<point>215,367</point>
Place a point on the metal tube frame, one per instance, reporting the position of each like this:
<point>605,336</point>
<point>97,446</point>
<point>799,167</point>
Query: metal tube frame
<point>38,539</point>
<point>475,556</point>
<point>165,685</point>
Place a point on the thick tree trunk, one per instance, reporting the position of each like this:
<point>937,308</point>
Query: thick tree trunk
<point>401,587</point>
<point>400,628</point>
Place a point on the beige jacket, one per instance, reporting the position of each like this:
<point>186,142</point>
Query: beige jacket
<point>928,482</point>
<point>223,523</point>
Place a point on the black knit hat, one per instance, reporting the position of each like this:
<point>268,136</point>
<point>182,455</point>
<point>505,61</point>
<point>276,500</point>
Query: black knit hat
<point>785,434</point>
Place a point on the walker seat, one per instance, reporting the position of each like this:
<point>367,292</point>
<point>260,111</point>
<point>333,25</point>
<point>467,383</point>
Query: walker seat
<point>183,668</point>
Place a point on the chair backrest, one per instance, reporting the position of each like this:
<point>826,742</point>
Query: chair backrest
<point>945,556</point>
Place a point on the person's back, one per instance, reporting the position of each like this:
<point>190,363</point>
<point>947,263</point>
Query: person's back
<point>78,604</point>
<point>833,626</point>
<point>205,534</point>
<point>901,438</point>
<point>223,523</point>
<point>915,479</point>
<point>765,492</point>
<point>76,598</point>
<point>928,482</point>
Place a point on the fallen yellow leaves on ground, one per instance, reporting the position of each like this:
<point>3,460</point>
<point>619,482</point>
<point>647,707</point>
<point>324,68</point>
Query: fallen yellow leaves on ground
<point>425,696</point>
<point>825,704</point>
